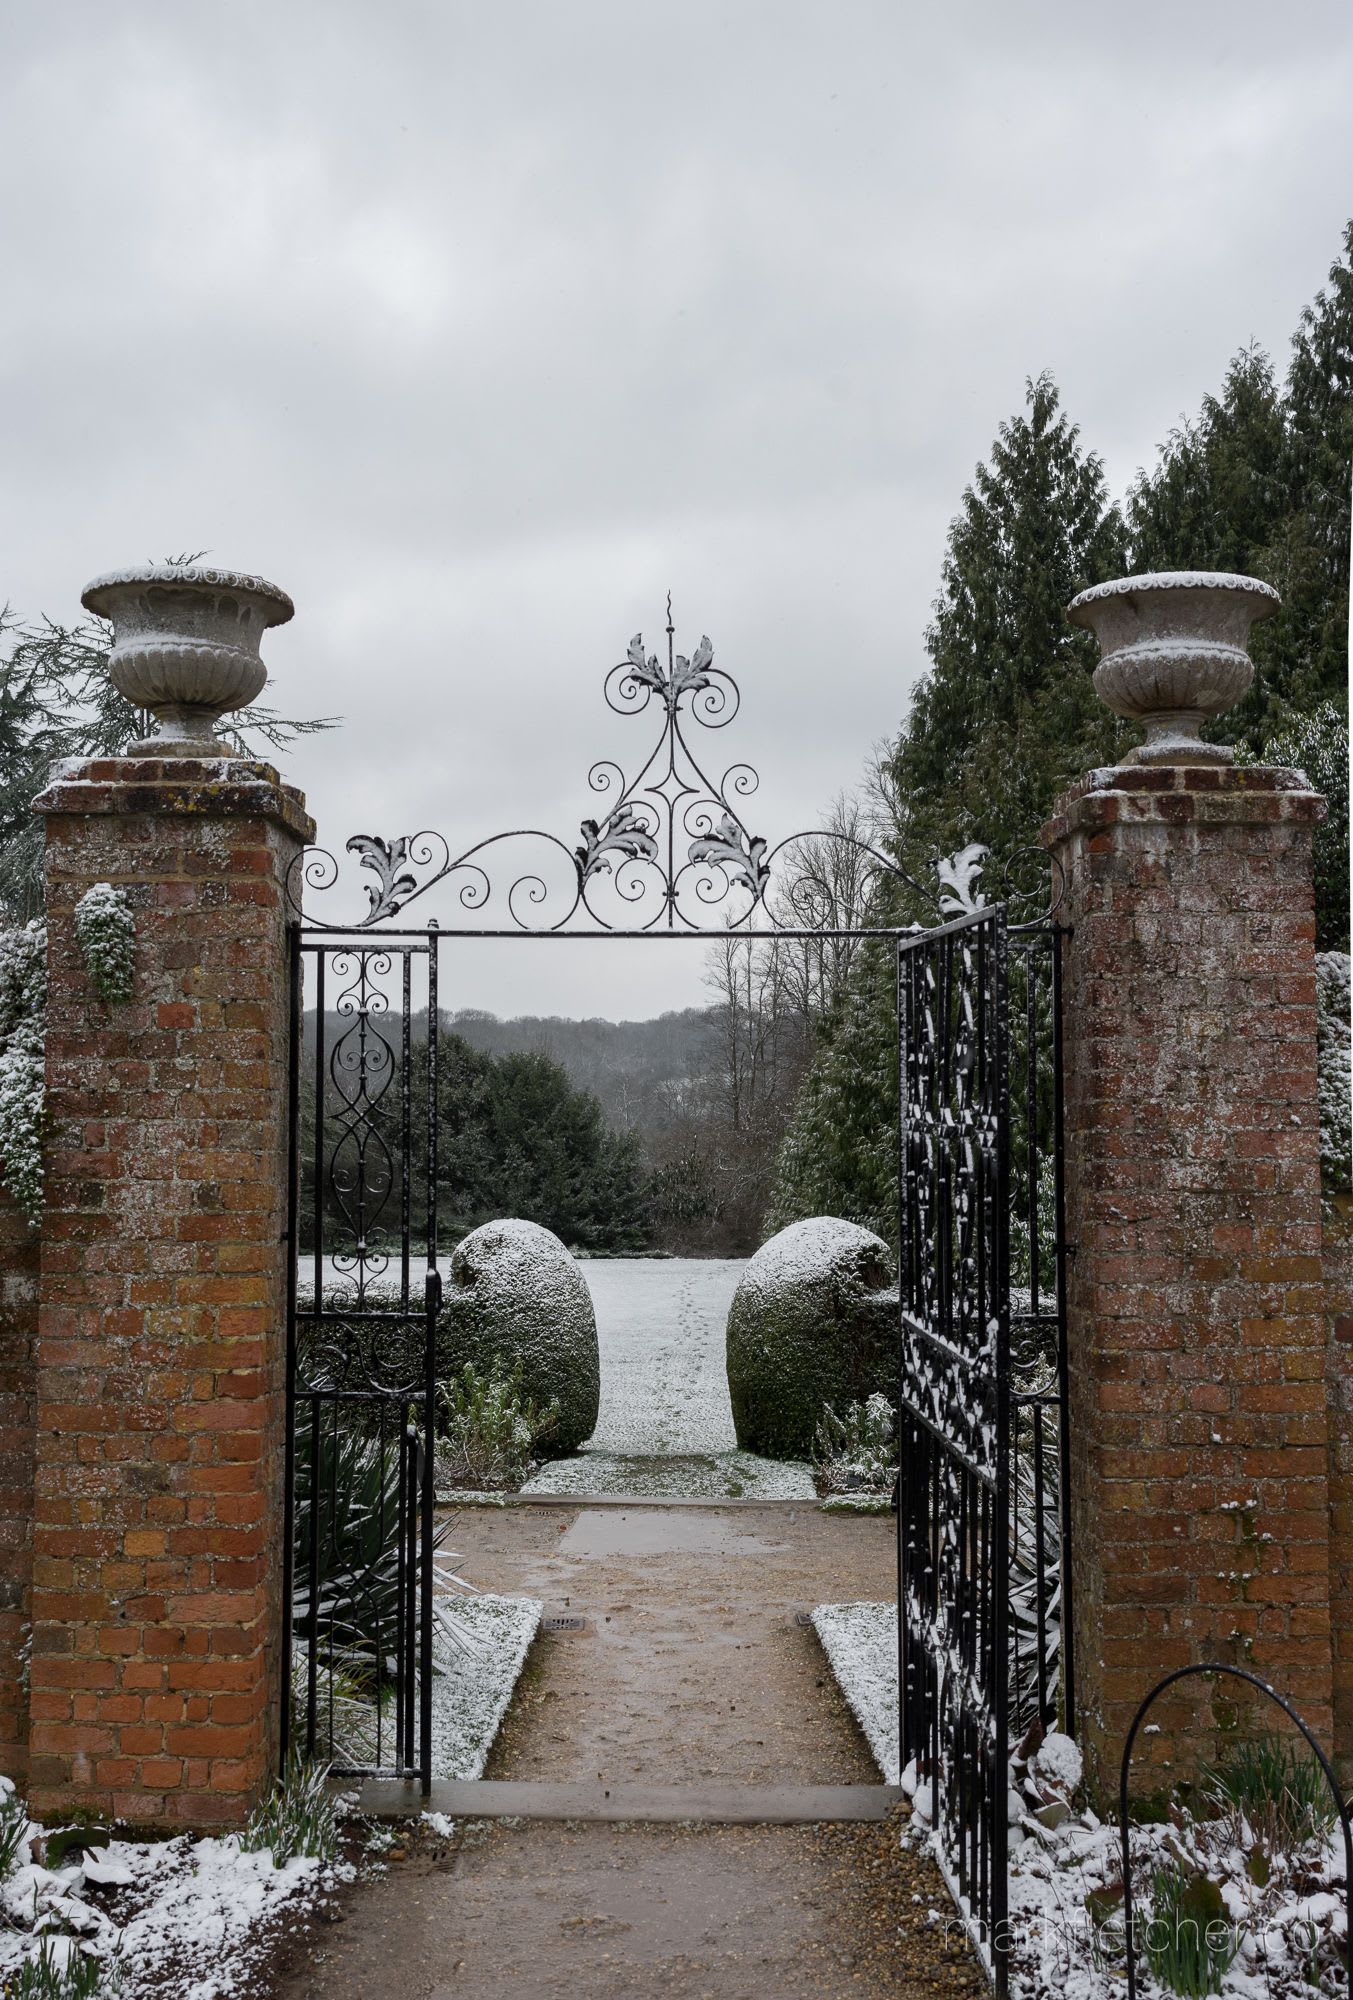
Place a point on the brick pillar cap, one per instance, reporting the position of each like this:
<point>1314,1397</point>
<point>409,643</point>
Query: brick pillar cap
<point>205,788</point>
<point>1169,794</point>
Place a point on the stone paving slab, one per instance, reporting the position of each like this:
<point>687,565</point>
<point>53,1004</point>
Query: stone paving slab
<point>665,1805</point>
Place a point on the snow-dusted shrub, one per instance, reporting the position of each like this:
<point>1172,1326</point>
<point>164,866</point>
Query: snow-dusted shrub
<point>857,1453</point>
<point>488,1428</point>
<point>105,931</point>
<point>517,1298</point>
<point>1334,1052</point>
<point>813,1325</point>
<point>23,1020</point>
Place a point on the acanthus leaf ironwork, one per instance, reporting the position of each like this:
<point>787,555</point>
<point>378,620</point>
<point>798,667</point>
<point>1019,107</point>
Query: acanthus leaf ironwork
<point>669,849</point>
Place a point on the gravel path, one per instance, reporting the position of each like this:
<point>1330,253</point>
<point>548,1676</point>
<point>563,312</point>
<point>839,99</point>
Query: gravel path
<point>536,1912</point>
<point>693,1664</point>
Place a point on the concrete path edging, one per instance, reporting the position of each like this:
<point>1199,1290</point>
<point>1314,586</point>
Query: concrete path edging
<point>668,1805</point>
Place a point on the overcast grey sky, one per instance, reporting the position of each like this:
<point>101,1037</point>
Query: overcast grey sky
<point>478,327</point>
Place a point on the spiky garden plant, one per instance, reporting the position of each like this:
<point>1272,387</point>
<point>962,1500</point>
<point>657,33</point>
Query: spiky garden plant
<point>14,1825</point>
<point>353,1540</point>
<point>298,1817</point>
<point>59,1974</point>
<point>1189,1940</point>
<point>1277,1787</point>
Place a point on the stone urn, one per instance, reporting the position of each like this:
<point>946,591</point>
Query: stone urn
<point>1175,647</point>
<point>186,647</point>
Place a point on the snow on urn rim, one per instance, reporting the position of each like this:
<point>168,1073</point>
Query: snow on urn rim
<point>186,641</point>
<point>1173,579</point>
<point>1175,653</point>
<point>97,595</point>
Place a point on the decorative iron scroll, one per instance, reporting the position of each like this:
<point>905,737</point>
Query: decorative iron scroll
<point>669,849</point>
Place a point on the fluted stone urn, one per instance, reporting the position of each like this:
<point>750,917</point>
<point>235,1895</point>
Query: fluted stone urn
<point>1175,653</point>
<point>186,647</point>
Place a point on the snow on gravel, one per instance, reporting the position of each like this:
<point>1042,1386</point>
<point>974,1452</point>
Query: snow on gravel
<point>860,1641</point>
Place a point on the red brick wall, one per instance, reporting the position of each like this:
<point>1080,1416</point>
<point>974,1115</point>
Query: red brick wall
<point>1197,1337</point>
<point>1338,1255</point>
<point>18,1335</point>
<point>157,1531</point>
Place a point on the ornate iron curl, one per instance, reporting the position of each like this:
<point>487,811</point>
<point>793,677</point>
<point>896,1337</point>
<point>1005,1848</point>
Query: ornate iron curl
<point>667,850</point>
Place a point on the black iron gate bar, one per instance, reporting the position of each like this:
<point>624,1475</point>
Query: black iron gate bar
<point>393,1416</point>
<point>979,1649</point>
<point>1039,1401</point>
<point>954,1502</point>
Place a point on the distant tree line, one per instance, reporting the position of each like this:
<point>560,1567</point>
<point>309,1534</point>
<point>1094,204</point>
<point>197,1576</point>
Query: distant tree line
<point>514,1137</point>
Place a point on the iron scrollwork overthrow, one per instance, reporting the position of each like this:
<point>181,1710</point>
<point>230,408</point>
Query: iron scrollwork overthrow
<point>669,849</point>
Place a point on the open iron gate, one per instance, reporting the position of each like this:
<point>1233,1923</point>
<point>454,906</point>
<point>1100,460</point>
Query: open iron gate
<point>363,1296</point>
<point>982,1537</point>
<point>983,1542</point>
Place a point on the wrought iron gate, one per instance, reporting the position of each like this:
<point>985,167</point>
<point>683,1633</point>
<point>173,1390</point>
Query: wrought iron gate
<point>363,1298</point>
<point>983,1569</point>
<point>983,1547</point>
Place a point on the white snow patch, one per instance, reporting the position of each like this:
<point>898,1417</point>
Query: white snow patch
<point>860,1641</point>
<point>1059,1760</point>
<point>200,1907</point>
<point>729,1475</point>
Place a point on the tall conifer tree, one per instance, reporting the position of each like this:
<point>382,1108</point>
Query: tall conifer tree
<point>1006,716</point>
<point>1007,712</point>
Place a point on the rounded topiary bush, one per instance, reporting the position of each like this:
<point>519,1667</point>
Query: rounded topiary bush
<point>813,1322</point>
<point>514,1294</point>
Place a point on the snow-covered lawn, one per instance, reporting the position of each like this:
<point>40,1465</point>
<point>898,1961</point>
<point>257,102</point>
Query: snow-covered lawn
<point>664,1384</point>
<point>860,1640</point>
<point>665,1429</point>
<point>471,1694</point>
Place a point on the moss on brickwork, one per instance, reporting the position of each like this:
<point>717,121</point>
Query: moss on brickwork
<point>813,1322</point>
<point>516,1295</point>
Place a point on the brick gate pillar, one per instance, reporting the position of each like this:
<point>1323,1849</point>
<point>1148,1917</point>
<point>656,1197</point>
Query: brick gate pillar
<point>18,1335</point>
<point>157,1537</point>
<point>1195,1307</point>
